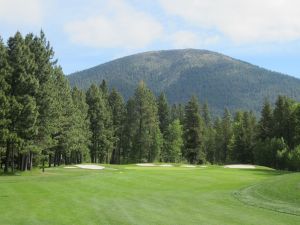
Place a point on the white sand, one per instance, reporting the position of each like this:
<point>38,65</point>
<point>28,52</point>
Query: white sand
<point>90,167</point>
<point>145,164</point>
<point>240,166</point>
<point>203,166</point>
<point>151,164</point>
<point>70,167</point>
<point>166,165</point>
<point>188,166</point>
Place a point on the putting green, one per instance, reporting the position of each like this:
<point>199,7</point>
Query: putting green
<point>137,195</point>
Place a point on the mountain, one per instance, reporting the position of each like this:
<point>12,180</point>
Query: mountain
<point>217,79</point>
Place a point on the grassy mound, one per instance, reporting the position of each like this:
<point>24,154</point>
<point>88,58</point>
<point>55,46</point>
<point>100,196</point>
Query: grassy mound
<point>281,194</point>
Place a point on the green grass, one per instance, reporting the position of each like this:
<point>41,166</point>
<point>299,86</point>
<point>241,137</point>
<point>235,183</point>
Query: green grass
<point>281,194</point>
<point>138,195</point>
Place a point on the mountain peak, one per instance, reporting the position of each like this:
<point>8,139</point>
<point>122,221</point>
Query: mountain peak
<point>215,78</point>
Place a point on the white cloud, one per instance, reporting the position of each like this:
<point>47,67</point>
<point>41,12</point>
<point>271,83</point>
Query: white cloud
<point>21,12</point>
<point>189,39</point>
<point>242,21</point>
<point>117,25</point>
<point>184,39</point>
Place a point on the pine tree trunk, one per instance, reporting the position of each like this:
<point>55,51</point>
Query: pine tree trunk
<point>25,163</point>
<point>43,165</point>
<point>30,161</point>
<point>7,158</point>
<point>22,167</point>
<point>50,158</point>
<point>55,159</point>
<point>13,160</point>
<point>59,159</point>
<point>149,156</point>
<point>20,157</point>
<point>107,156</point>
<point>119,151</point>
<point>0,160</point>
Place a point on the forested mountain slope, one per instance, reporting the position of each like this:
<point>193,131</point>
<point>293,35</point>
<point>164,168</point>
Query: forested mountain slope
<point>217,79</point>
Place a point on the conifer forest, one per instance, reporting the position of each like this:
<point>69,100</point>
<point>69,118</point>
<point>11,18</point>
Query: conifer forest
<point>44,122</point>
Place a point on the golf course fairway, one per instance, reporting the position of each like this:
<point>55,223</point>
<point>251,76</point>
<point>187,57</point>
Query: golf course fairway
<point>129,194</point>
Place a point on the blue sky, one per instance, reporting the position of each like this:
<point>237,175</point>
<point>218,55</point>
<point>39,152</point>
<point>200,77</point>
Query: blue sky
<point>85,33</point>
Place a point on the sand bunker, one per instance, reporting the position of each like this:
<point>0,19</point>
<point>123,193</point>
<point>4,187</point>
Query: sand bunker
<point>90,167</point>
<point>203,166</point>
<point>151,164</point>
<point>166,165</point>
<point>145,164</point>
<point>188,166</point>
<point>70,167</point>
<point>240,166</point>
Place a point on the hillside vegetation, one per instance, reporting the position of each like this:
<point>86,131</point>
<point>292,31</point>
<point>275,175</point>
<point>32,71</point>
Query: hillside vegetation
<point>214,78</point>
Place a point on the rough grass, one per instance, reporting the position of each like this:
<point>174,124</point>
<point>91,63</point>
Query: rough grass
<point>138,195</point>
<point>280,194</point>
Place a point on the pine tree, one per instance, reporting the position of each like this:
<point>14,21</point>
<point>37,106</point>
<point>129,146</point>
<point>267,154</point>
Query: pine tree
<point>181,112</point>
<point>177,112</point>
<point>206,115</point>
<point>268,152</point>
<point>173,113</point>
<point>117,107</point>
<point>24,112</point>
<point>193,133</point>
<point>209,134</point>
<point>130,127</point>
<point>163,113</point>
<point>100,125</point>
<point>104,90</point>
<point>236,144</point>
<point>173,142</point>
<point>80,134</point>
<point>283,120</point>
<point>108,123</point>
<point>227,135</point>
<point>244,134</point>
<point>218,140</point>
<point>148,139</point>
<point>64,123</point>
<point>210,144</point>
<point>265,126</point>
<point>296,124</point>
<point>4,103</point>
<point>44,73</point>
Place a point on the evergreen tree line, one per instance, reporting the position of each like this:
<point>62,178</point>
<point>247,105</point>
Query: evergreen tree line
<point>148,129</point>
<point>44,121</point>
